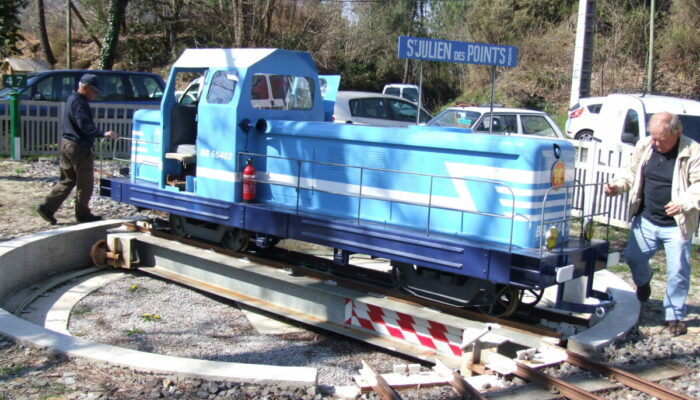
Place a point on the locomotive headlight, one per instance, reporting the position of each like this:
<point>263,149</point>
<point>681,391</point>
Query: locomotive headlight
<point>551,237</point>
<point>558,173</point>
<point>588,230</point>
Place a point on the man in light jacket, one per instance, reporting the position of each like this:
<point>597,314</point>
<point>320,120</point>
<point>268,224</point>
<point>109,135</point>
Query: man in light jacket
<point>663,178</point>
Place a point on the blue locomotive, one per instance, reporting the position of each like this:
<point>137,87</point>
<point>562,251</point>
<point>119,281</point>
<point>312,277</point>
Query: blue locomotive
<point>250,156</point>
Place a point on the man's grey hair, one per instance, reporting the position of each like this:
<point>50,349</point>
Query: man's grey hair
<point>669,122</point>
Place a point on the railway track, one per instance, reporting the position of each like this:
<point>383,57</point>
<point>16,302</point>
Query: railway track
<point>607,378</point>
<point>476,357</point>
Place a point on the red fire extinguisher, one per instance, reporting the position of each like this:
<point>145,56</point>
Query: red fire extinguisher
<point>249,182</point>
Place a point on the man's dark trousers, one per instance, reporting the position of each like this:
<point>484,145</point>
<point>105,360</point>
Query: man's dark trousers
<point>76,171</point>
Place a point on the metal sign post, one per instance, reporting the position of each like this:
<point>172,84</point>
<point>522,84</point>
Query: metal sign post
<point>460,52</point>
<point>493,87</point>
<point>420,93</point>
<point>15,82</point>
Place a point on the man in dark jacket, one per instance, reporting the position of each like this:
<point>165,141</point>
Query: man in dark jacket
<point>79,132</point>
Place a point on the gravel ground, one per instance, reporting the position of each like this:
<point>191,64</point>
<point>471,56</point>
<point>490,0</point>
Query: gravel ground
<point>207,328</point>
<point>124,313</point>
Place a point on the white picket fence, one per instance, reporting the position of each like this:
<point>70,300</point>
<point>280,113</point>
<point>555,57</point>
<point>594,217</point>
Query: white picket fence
<point>595,162</point>
<point>40,126</point>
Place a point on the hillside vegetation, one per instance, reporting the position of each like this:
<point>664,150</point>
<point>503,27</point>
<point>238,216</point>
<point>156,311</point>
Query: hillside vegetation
<point>358,39</point>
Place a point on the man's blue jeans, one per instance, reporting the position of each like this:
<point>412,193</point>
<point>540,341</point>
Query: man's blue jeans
<point>644,240</point>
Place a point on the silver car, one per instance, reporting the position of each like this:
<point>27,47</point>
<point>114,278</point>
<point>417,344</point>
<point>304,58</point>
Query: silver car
<point>510,121</point>
<point>375,109</point>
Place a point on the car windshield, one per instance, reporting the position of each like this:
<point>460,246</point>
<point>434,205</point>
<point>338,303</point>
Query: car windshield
<point>456,118</point>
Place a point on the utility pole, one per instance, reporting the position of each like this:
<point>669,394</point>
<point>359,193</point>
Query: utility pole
<point>69,36</point>
<point>583,52</point>
<point>650,67</point>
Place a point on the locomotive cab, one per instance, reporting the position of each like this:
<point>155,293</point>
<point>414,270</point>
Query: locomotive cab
<point>191,144</point>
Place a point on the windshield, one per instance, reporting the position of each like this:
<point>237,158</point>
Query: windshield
<point>456,118</point>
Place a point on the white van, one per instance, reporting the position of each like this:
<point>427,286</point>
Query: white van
<point>623,118</point>
<point>405,90</point>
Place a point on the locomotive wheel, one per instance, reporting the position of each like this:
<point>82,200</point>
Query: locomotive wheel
<point>98,254</point>
<point>530,297</point>
<point>235,239</point>
<point>507,301</point>
<point>177,225</point>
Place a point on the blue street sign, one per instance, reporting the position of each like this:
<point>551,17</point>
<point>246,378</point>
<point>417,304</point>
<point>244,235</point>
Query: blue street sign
<point>460,52</point>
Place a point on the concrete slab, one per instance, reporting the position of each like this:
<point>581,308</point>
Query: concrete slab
<point>616,322</point>
<point>267,325</point>
<point>607,329</point>
<point>25,261</point>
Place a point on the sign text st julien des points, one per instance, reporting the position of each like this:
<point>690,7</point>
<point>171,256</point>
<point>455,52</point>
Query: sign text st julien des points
<point>460,52</point>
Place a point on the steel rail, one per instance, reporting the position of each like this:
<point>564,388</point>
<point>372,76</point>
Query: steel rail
<point>457,381</point>
<point>378,383</point>
<point>651,388</point>
<point>566,389</point>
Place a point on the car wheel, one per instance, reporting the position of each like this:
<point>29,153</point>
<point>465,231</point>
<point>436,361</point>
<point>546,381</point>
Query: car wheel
<point>584,135</point>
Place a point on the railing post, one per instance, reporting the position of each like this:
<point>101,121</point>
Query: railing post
<point>430,205</point>
<point>298,185</point>
<point>359,198</point>
<point>15,127</point>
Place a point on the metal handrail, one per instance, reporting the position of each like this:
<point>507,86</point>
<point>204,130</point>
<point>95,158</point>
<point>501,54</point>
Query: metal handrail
<point>129,160</point>
<point>360,195</point>
<point>583,216</point>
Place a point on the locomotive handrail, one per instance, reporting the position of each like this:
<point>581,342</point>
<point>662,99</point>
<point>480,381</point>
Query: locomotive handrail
<point>582,217</point>
<point>360,195</point>
<point>133,142</point>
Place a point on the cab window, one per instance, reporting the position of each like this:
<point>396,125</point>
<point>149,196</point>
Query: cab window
<point>411,94</point>
<point>393,91</point>
<point>222,88</point>
<point>281,92</point>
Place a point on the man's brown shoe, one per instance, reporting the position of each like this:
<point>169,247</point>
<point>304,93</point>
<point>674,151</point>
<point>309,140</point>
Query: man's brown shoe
<point>676,327</point>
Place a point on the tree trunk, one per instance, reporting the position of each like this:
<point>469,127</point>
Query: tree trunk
<point>239,22</point>
<point>43,34</point>
<point>115,19</point>
<point>174,27</point>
